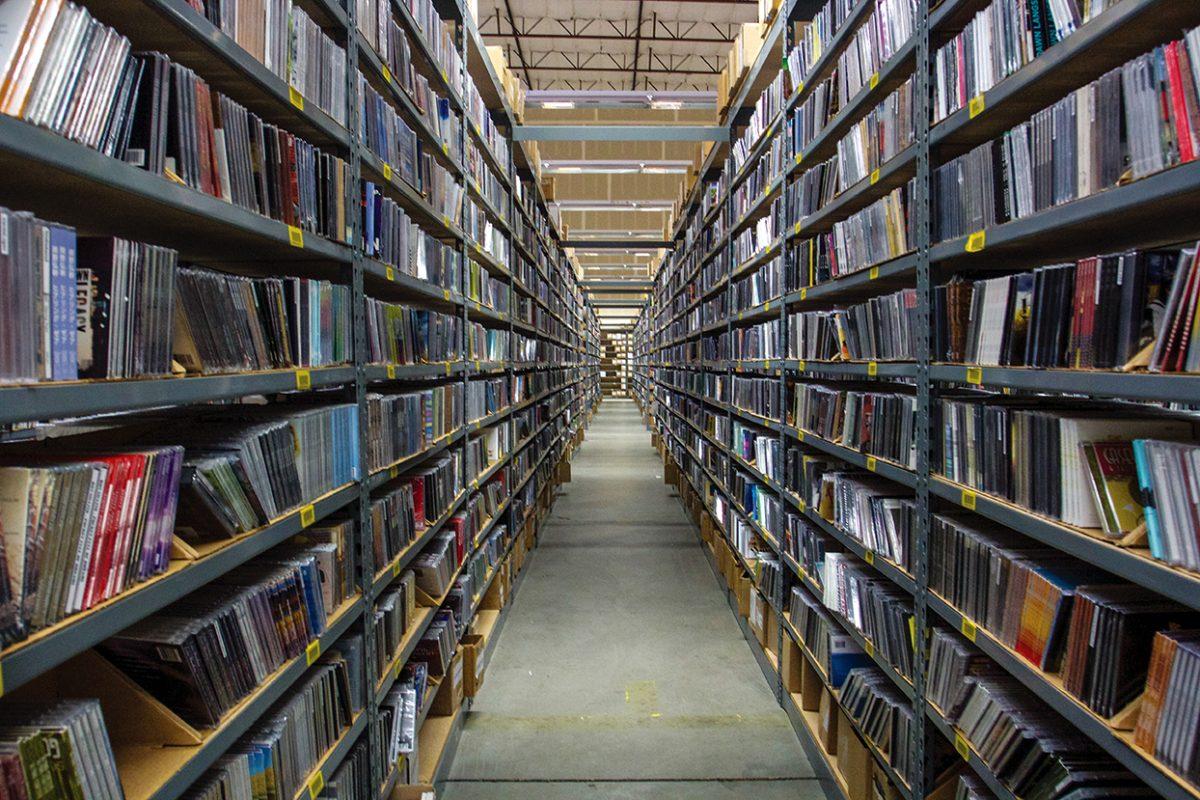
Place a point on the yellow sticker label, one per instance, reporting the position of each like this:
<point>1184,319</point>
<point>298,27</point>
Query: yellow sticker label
<point>446,220</point>
<point>960,744</point>
<point>799,226</point>
<point>803,506</point>
<point>874,80</point>
<point>393,471</point>
<point>873,368</point>
<point>912,632</point>
<point>804,293</point>
<point>874,176</point>
<point>295,98</point>
<point>969,629</point>
<point>446,148</point>
<point>869,557</point>
<point>446,294</point>
<point>871,463</point>
<point>869,648</point>
<point>391,372</point>
<point>315,785</point>
<point>387,73</point>
<point>800,435</point>
<point>766,306</point>
<point>799,158</point>
<point>308,515</point>
<point>295,236</point>
<point>800,365</point>
<point>395,568</point>
<point>447,367</point>
<point>968,499</point>
<point>975,376</point>
<point>874,273</point>
<point>477,365</point>
<point>387,171</point>
<point>313,651</point>
<point>303,379</point>
<point>391,273</point>
<point>976,241</point>
<point>976,106</point>
<point>766,365</point>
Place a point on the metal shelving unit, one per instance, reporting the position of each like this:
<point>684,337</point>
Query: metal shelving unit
<point>675,383</point>
<point>105,195</point>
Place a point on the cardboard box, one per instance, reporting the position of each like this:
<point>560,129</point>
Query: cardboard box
<point>811,687</point>
<point>767,10</point>
<point>771,632</point>
<point>854,761</point>
<point>791,666</point>
<point>743,596</point>
<point>450,694</point>
<point>412,791</point>
<point>472,650</point>
<point>881,786</point>
<point>828,722</point>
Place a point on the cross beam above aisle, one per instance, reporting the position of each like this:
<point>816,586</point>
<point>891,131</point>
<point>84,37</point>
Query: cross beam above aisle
<point>620,133</point>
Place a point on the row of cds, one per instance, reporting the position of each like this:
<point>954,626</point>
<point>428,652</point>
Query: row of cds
<point>401,425</point>
<point>66,551</point>
<point>999,40</point>
<point>289,740</point>
<point>159,115</point>
<point>201,655</point>
<point>1132,119</point>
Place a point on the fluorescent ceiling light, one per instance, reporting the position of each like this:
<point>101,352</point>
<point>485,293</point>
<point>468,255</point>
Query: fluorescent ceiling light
<point>560,104</point>
<point>666,105</point>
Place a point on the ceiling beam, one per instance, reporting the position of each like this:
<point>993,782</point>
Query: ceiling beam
<point>637,46</point>
<point>517,39</point>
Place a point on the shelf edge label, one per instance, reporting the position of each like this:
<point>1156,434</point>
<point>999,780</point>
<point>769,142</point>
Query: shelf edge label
<point>872,368</point>
<point>968,499</point>
<point>308,515</point>
<point>975,376</point>
<point>976,241</point>
<point>316,785</point>
<point>874,176</point>
<point>960,744</point>
<point>969,629</point>
<point>872,463</point>
<point>295,98</point>
<point>313,651</point>
<point>295,236</point>
<point>303,379</point>
<point>976,106</point>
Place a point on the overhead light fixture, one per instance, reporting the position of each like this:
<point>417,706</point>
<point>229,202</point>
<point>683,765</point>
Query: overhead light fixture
<point>558,104</point>
<point>666,105</point>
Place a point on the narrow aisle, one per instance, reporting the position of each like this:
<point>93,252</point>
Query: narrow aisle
<point>621,671</point>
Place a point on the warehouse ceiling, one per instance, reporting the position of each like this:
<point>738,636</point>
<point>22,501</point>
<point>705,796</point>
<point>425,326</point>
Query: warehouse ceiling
<point>643,45</point>
<point>617,62</point>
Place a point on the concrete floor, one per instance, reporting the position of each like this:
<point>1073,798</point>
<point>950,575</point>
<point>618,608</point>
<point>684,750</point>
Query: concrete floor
<point>621,671</point>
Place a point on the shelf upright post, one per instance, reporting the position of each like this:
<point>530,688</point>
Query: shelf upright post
<point>359,310</point>
<point>460,44</point>
<point>921,778</point>
<point>781,222</point>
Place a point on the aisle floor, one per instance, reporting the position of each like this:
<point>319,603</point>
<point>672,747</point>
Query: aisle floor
<point>621,671</point>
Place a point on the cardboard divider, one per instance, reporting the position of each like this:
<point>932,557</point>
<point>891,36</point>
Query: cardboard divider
<point>131,714</point>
